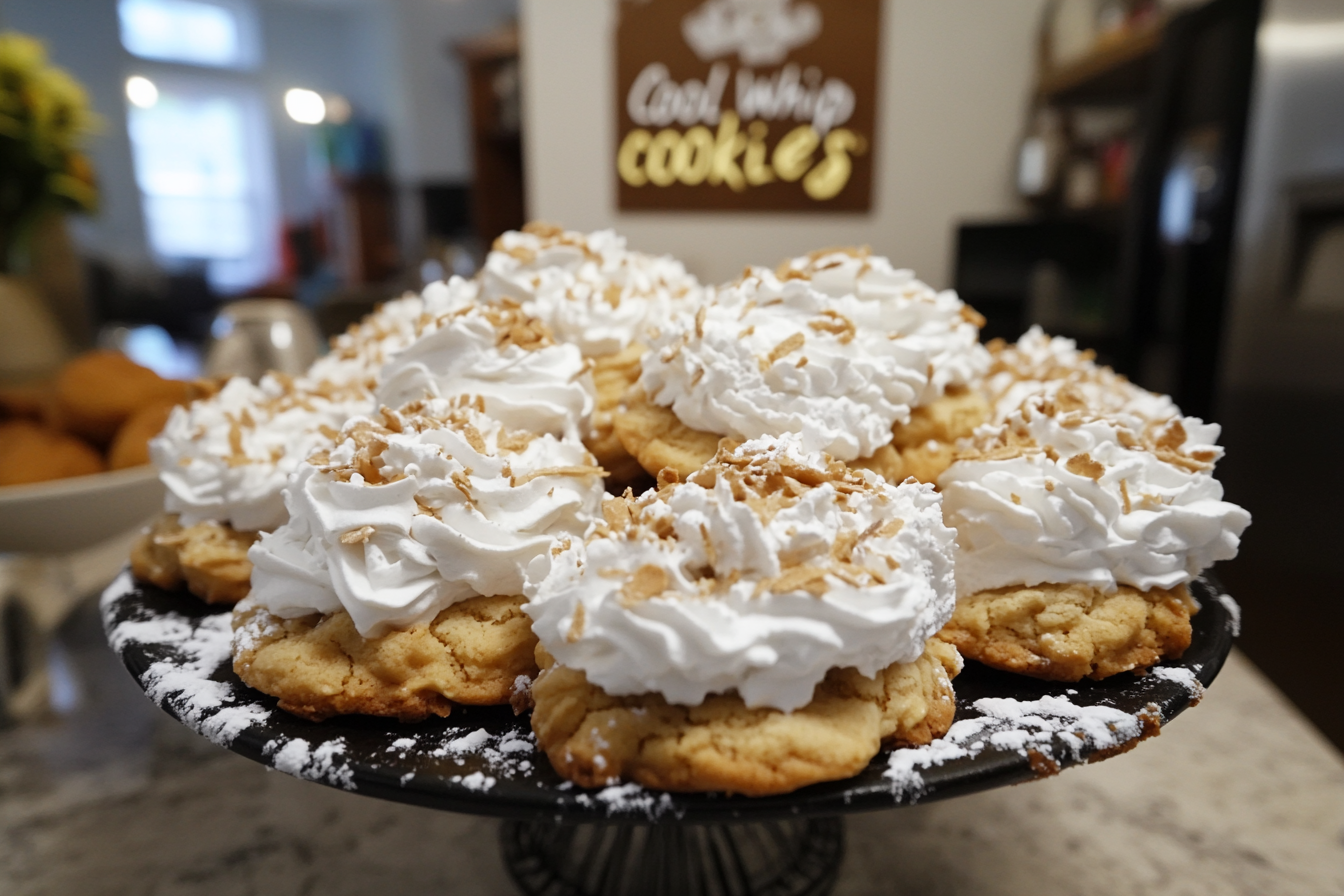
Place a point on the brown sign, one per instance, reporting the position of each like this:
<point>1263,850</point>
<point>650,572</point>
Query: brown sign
<point>746,104</point>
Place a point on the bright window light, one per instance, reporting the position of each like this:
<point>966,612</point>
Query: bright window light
<point>191,31</point>
<point>200,162</point>
<point>141,91</point>
<point>305,106</point>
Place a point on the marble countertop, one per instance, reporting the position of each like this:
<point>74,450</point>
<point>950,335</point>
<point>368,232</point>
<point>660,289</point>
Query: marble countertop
<point>1240,795</point>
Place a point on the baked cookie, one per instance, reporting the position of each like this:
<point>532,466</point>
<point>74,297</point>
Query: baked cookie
<point>130,447</point>
<point>210,557</point>
<point>1113,512</point>
<point>655,437</point>
<point>593,738</point>
<point>31,452</point>
<point>1069,632</point>
<point>97,392</point>
<point>320,666</point>
<point>613,375</point>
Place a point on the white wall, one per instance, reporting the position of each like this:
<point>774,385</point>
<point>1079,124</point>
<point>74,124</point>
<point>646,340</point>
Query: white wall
<point>954,80</point>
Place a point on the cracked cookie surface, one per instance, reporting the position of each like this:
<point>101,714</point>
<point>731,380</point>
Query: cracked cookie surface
<point>922,447</point>
<point>320,666</point>
<point>1069,632</point>
<point>614,375</point>
<point>593,738</point>
<point>210,558</point>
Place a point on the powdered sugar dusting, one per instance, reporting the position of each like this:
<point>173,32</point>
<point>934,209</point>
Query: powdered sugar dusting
<point>629,799</point>
<point>182,682</point>
<point>1043,730</point>
<point>477,781</point>
<point>1183,676</point>
<point>1234,613</point>
<point>323,763</point>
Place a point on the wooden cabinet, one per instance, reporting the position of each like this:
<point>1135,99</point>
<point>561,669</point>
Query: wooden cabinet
<point>494,83</point>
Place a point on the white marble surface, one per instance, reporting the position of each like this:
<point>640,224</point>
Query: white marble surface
<point>1238,796</point>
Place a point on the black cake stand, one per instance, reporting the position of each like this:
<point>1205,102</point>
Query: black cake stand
<point>561,839</point>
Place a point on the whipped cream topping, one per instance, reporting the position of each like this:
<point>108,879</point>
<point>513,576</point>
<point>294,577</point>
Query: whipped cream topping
<point>590,289</point>
<point>227,457</point>
<point>358,354</point>
<point>506,357</point>
<point>1061,494</point>
<point>1041,365</point>
<point>767,356</point>
<point>938,322</point>
<point>769,567</point>
<point>430,505</point>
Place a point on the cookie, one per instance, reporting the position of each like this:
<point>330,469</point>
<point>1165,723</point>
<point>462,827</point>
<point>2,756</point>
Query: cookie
<point>130,447</point>
<point>656,438</point>
<point>320,666</point>
<point>953,416</point>
<point>210,557</point>
<point>1068,632</point>
<point>614,375</point>
<point>31,452</point>
<point>593,738</point>
<point>97,392</point>
<point>923,448</point>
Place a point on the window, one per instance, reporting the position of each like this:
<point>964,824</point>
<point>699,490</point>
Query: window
<point>200,156</point>
<point>200,143</point>
<point>198,33</point>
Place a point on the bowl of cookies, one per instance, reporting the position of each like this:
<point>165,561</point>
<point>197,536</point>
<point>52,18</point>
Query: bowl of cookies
<point>74,456</point>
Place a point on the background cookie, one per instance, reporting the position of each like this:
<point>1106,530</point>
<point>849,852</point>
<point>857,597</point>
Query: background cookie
<point>1067,632</point>
<point>32,452</point>
<point>130,447</point>
<point>593,738</point>
<point>97,392</point>
<point>320,666</point>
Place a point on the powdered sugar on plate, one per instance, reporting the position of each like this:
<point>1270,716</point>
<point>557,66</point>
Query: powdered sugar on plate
<point>1234,613</point>
<point>1044,731</point>
<point>323,763</point>
<point>1185,677</point>
<point>182,682</point>
<point>629,799</point>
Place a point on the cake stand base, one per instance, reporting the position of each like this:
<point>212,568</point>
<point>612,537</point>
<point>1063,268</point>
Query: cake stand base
<point>794,857</point>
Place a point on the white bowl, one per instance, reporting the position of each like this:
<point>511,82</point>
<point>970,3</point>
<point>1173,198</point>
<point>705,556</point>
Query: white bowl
<point>69,514</point>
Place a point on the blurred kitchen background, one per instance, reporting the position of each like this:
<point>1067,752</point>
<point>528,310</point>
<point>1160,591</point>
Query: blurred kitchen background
<point>1163,181</point>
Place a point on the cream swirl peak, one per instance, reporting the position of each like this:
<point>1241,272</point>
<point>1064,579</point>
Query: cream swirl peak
<point>358,354</point>
<point>432,504</point>
<point>766,569</point>
<point>767,357</point>
<point>590,289</point>
<point>227,457</point>
<point>1041,365</point>
<point>1061,494</point>
<point>495,351</point>
<point>945,327</point>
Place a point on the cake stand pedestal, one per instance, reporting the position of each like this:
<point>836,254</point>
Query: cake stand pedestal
<point>559,839</point>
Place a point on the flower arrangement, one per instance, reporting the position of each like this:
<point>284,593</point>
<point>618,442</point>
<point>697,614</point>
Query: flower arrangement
<point>44,117</point>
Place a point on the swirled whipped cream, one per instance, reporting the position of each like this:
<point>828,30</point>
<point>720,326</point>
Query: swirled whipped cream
<point>767,356</point>
<point>590,289</point>
<point>497,352</point>
<point>1038,364</point>
<point>433,504</point>
<point>1059,493</point>
<point>227,457</point>
<point>938,322</point>
<point>358,354</point>
<point>769,567</point>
